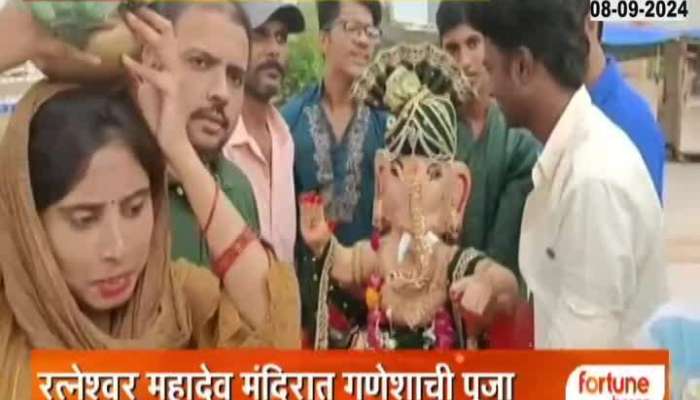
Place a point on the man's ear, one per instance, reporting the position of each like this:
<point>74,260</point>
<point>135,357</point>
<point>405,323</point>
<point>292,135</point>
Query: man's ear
<point>462,187</point>
<point>522,66</point>
<point>591,27</point>
<point>324,40</point>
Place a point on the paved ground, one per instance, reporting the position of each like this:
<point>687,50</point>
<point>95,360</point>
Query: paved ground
<point>682,208</point>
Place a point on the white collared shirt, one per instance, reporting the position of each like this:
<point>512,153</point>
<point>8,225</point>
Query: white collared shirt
<point>591,245</point>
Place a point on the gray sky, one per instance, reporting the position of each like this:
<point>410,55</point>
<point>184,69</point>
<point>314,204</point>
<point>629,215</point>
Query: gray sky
<point>411,11</point>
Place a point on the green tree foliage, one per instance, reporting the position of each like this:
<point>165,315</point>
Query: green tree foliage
<point>305,59</point>
<point>305,65</point>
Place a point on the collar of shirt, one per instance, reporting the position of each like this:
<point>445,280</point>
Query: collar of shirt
<point>608,81</point>
<point>242,139</point>
<point>561,135</point>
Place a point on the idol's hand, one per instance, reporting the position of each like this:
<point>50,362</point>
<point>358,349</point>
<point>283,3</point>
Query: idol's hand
<point>474,296</point>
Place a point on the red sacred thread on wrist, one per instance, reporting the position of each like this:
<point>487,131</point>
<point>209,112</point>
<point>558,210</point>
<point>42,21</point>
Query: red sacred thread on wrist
<point>211,211</point>
<point>226,260</point>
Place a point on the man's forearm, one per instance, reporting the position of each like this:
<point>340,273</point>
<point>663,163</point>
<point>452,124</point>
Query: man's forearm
<point>16,51</point>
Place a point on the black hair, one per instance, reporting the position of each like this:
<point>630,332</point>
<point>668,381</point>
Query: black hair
<point>584,11</point>
<point>172,10</point>
<point>328,11</point>
<point>452,13</point>
<point>552,30</point>
<point>69,128</point>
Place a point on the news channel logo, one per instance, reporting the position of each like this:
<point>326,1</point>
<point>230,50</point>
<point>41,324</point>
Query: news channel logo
<point>617,382</point>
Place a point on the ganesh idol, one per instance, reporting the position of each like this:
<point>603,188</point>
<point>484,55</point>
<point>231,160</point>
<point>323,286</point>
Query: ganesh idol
<point>422,290</point>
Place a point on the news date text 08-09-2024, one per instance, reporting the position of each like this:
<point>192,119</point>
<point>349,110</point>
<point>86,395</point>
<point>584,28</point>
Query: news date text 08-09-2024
<point>639,10</point>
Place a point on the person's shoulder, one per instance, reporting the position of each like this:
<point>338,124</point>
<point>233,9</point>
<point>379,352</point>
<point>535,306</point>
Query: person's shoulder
<point>232,176</point>
<point>628,109</point>
<point>602,138</point>
<point>379,117</point>
<point>606,155</point>
<point>519,141</point>
<point>293,107</point>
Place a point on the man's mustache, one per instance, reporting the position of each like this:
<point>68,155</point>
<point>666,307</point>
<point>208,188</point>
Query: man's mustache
<point>271,65</point>
<point>212,114</point>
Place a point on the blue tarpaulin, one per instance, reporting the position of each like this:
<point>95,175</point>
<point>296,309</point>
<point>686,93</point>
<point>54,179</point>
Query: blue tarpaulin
<point>693,34</point>
<point>7,108</point>
<point>634,36</point>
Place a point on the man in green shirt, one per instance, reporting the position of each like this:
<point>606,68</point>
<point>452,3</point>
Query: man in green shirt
<point>212,94</point>
<point>188,241</point>
<point>500,158</point>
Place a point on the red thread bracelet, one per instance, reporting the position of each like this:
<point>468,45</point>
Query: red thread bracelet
<point>213,208</point>
<point>226,260</point>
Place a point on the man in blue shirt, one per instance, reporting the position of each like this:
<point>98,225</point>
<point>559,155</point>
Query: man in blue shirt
<point>623,105</point>
<point>335,142</point>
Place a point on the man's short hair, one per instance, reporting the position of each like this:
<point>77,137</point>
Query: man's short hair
<point>172,10</point>
<point>329,10</point>
<point>584,10</point>
<point>552,30</point>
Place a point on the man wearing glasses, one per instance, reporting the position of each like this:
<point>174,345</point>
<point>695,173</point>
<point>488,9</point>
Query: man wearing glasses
<point>335,141</point>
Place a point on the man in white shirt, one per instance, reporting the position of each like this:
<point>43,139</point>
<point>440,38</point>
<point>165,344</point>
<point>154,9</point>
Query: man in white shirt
<point>591,247</point>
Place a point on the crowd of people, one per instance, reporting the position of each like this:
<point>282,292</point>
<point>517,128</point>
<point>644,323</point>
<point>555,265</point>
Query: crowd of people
<point>508,168</point>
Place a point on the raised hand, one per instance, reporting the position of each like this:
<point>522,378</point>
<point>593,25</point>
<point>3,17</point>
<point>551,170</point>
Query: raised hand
<point>34,42</point>
<point>315,229</point>
<point>156,78</point>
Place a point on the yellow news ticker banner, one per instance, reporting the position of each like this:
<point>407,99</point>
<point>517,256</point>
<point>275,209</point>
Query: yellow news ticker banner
<point>269,374</point>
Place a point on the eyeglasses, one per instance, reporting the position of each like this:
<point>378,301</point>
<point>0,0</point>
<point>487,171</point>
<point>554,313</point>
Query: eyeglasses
<point>356,28</point>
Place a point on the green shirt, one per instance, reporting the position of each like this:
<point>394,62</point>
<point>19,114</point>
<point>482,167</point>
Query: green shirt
<point>188,242</point>
<point>501,162</point>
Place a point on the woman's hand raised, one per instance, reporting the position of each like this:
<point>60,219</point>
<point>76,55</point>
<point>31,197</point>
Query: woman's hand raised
<point>156,79</point>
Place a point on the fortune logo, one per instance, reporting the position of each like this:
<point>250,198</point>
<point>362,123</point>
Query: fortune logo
<point>617,382</point>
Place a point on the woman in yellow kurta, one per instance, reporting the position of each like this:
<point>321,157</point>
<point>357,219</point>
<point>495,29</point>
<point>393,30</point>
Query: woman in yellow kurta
<point>84,245</point>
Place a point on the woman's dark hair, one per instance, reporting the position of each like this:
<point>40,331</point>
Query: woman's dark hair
<point>453,13</point>
<point>553,30</point>
<point>71,127</point>
<point>329,10</point>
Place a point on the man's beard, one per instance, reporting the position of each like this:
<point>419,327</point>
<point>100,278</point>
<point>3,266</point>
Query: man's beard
<point>256,89</point>
<point>212,153</point>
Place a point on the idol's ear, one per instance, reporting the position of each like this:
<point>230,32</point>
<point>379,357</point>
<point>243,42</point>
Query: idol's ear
<point>381,168</point>
<point>462,187</point>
